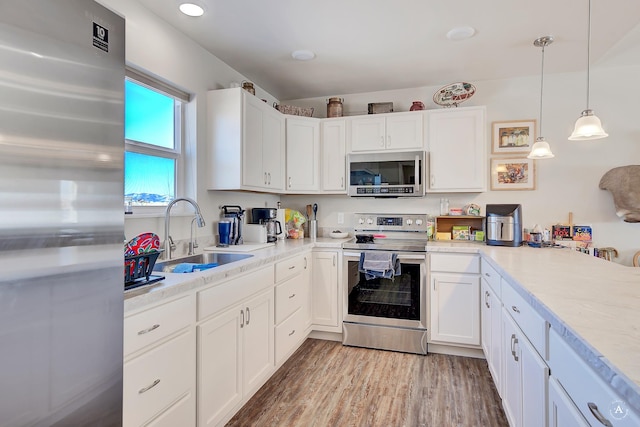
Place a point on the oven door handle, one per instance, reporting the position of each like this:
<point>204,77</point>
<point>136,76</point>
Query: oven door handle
<point>400,256</point>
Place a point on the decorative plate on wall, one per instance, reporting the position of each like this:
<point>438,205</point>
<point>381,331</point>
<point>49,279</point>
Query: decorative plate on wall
<point>453,94</point>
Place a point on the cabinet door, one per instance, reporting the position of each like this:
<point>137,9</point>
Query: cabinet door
<point>325,289</point>
<point>496,352</point>
<point>512,371</point>
<point>485,317</point>
<point>334,148</point>
<point>562,411</point>
<point>457,150</point>
<point>257,340</point>
<point>273,128</point>
<point>535,375</point>
<point>368,133</point>
<point>455,308</point>
<point>303,154</point>
<point>253,174</point>
<point>404,131</point>
<point>219,366</point>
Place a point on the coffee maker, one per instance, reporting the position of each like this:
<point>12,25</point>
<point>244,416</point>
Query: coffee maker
<point>267,216</point>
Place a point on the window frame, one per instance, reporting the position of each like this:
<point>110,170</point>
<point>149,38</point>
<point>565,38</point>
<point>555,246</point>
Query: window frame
<point>178,152</point>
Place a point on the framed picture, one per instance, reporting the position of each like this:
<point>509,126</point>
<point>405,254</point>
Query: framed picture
<point>513,174</point>
<point>513,137</point>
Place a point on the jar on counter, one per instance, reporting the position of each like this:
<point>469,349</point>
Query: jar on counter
<point>334,107</point>
<point>248,86</point>
<point>417,106</point>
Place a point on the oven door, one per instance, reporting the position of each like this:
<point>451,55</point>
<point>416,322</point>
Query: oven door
<point>400,302</point>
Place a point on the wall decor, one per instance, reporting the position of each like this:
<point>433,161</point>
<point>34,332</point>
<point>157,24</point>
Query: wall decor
<point>515,136</point>
<point>513,174</point>
<point>623,183</point>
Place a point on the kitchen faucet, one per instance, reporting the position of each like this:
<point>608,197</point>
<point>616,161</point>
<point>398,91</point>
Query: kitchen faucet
<point>169,246</point>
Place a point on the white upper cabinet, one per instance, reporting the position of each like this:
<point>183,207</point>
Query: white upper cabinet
<point>393,131</point>
<point>457,150</point>
<point>303,154</point>
<point>333,158</point>
<point>246,142</point>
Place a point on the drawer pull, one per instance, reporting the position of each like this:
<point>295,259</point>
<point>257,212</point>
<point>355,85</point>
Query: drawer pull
<point>292,296</point>
<point>149,387</point>
<point>292,332</point>
<point>242,321</point>
<point>248,316</point>
<point>486,299</point>
<point>596,413</point>
<point>516,309</point>
<point>487,274</point>
<point>292,267</point>
<point>146,331</point>
<point>514,342</point>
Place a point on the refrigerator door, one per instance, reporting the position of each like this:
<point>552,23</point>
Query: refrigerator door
<point>61,213</point>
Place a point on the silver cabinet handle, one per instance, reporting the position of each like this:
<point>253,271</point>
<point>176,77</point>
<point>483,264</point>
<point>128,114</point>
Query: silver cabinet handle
<point>146,331</point>
<point>487,274</point>
<point>516,309</point>
<point>248,316</point>
<point>292,332</point>
<point>486,299</point>
<point>269,174</point>
<point>514,343</point>
<point>433,180</point>
<point>149,387</point>
<point>305,263</point>
<point>292,296</point>
<point>388,140</point>
<point>265,178</point>
<point>289,182</point>
<point>596,413</point>
<point>242,321</point>
<point>334,260</point>
<point>342,182</point>
<point>292,267</point>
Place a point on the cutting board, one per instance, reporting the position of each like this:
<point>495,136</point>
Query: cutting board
<point>246,247</point>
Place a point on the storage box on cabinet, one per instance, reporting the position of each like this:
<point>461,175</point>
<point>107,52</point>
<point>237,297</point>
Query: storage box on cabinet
<point>531,323</point>
<point>158,379</point>
<point>151,325</point>
<point>217,298</point>
<point>590,394</point>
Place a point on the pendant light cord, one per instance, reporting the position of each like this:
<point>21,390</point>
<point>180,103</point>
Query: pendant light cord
<point>588,52</point>
<point>541,86</point>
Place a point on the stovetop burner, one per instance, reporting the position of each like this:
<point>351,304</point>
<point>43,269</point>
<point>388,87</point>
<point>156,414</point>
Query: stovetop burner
<point>364,238</point>
<point>390,232</point>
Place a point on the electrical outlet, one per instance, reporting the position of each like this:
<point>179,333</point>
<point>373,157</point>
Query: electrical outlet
<point>340,218</point>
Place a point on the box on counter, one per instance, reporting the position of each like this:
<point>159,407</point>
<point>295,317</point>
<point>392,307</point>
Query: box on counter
<point>561,232</point>
<point>478,236</point>
<point>441,235</point>
<point>582,233</point>
<point>460,232</point>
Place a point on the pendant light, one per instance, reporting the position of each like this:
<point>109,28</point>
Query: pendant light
<point>588,125</point>
<point>541,149</point>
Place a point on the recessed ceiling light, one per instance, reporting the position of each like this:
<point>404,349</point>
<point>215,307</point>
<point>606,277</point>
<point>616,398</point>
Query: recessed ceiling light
<point>191,9</point>
<point>461,33</point>
<point>303,55</point>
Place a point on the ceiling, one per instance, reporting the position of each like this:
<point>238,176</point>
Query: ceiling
<point>372,45</point>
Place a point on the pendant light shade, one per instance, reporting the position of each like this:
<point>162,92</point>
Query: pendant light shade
<point>541,148</point>
<point>588,125</point>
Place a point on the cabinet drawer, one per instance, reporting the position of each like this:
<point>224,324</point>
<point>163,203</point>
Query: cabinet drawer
<point>181,413</point>
<point>158,322</point>
<point>491,276</point>
<point>217,298</point>
<point>289,333</point>
<point>290,267</point>
<point>531,323</point>
<point>158,378</point>
<point>584,386</point>
<point>290,296</point>
<point>456,263</point>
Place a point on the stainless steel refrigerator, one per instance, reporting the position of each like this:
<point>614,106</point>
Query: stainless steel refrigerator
<point>61,213</point>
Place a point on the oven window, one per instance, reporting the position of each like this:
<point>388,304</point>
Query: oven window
<point>378,173</point>
<point>397,299</point>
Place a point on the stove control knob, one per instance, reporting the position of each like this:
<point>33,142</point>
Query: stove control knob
<point>361,221</point>
<point>418,222</point>
<point>369,221</point>
<point>409,221</point>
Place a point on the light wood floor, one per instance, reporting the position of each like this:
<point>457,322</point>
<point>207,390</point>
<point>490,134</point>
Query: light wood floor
<point>327,384</point>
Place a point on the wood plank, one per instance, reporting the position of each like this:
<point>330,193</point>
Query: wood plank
<point>327,384</point>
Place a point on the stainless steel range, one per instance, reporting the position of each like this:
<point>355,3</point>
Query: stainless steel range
<point>385,283</point>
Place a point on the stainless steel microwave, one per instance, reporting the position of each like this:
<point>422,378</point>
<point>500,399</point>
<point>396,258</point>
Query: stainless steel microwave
<point>399,174</point>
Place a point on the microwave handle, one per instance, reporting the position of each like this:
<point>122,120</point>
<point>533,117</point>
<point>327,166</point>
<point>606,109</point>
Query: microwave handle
<point>416,165</point>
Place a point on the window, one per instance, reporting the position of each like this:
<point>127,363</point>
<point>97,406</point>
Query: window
<point>153,171</point>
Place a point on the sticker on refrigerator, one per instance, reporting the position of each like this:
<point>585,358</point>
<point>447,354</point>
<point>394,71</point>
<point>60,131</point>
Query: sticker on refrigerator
<point>100,37</point>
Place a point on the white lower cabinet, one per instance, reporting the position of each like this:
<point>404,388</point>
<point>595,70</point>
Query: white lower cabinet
<point>325,290</point>
<point>525,377</point>
<point>562,411</point>
<point>491,320</point>
<point>159,368</point>
<point>235,356</point>
<point>455,299</point>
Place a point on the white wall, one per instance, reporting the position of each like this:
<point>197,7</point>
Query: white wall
<point>566,183</point>
<point>156,48</point>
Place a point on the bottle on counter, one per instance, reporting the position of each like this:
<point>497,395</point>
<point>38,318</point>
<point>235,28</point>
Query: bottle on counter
<point>444,206</point>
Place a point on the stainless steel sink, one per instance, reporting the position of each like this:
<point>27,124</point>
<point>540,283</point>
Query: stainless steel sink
<point>219,258</point>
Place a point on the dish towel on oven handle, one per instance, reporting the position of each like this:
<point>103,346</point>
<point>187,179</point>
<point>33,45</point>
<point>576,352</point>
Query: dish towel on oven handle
<point>384,265</point>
